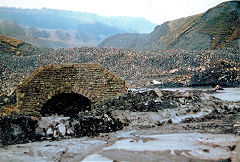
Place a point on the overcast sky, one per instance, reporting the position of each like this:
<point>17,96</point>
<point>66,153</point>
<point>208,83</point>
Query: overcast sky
<point>157,11</point>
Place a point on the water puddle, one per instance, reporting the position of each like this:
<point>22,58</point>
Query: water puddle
<point>201,146</point>
<point>228,94</point>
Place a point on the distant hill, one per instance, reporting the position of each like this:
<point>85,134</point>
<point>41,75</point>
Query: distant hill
<point>59,28</point>
<point>218,27</point>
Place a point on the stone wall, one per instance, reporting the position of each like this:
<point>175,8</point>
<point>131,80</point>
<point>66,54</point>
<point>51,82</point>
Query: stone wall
<point>89,80</point>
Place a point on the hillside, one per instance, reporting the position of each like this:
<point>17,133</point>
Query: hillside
<point>60,29</point>
<point>216,28</point>
<point>17,47</point>
<point>48,38</point>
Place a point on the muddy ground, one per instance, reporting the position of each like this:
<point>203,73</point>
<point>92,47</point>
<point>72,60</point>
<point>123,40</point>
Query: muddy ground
<point>167,143</point>
<point>164,126</point>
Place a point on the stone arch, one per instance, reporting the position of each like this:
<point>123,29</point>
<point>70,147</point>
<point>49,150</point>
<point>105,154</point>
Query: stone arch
<point>75,89</point>
<point>89,80</point>
<point>63,90</point>
<point>66,104</point>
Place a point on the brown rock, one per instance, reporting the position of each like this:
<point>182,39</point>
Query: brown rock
<point>218,87</point>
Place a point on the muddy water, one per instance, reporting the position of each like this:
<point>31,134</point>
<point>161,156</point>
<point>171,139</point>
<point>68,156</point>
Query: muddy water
<point>127,146</point>
<point>228,94</point>
<point>193,145</point>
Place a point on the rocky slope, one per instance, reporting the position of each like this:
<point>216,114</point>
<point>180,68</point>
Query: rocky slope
<point>216,28</point>
<point>17,47</point>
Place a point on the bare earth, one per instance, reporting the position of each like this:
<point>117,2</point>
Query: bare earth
<point>166,135</point>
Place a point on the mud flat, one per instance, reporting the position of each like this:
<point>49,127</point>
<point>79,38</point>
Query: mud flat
<point>158,125</point>
<point>128,146</point>
<point>72,149</point>
<point>177,146</point>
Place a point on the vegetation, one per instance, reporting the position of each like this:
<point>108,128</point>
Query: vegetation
<point>16,47</point>
<point>8,110</point>
<point>180,27</point>
<point>10,41</point>
<point>223,28</point>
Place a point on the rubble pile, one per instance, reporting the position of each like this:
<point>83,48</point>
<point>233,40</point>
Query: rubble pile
<point>57,127</point>
<point>144,109</point>
<point>149,100</point>
<point>17,129</point>
<point>138,68</point>
<point>141,108</point>
<point>23,129</point>
<point>134,101</point>
<point>221,73</point>
<point>224,117</point>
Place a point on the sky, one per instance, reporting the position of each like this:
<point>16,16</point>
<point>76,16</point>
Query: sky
<point>157,11</point>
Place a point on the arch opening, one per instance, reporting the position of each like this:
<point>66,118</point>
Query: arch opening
<point>66,104</point>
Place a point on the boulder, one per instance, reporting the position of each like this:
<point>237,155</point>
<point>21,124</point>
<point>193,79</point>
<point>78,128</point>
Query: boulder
<point>218,87</point>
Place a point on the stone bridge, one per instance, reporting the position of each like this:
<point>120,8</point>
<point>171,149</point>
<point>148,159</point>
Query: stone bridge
<point>67,89</point>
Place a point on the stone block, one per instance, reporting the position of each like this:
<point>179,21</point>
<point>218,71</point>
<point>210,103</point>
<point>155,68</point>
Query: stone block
<point>90,80</point>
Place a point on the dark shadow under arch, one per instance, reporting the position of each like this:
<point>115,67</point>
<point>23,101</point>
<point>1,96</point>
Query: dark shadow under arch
<point>66,104</point>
